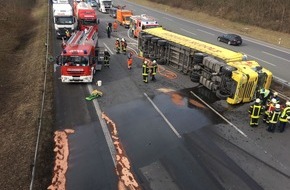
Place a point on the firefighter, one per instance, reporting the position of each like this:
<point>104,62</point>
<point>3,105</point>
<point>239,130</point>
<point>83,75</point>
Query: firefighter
<point>130,60</point>
<point>115,26</point>
<point>269,108</point>
<point>109,30</point>
<point>255,112</point>
<point>154,67</point>
<point>273,118</point>
<point>117,45</point>
<point>274,95</point>
<point>284,117</point>
<point>145,71</point>
<point>106,58</point>
<point>264,95</point>
<point>67,34</point>
<point>124,45</point>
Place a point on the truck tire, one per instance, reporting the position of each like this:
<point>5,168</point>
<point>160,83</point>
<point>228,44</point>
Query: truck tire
<point>194,76</point>
<point>161,62</point>
<point>221,95</point>
<point>198,57</point>
<point>161,42</point>
<point>147,37</point>
<point>154,39</point>
<point>227,70</point>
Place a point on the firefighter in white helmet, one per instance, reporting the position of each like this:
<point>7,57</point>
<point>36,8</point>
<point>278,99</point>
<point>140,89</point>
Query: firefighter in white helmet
<point>274,118</point>
<point>145,71</point>
<point>255,111</point>
<point>154,67</point>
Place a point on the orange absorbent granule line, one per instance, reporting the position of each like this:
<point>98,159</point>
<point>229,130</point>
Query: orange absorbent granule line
<point>61,157</point>
<point>123,167</point>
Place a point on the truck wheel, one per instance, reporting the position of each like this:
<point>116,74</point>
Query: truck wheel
<point>147,37</point>
<point>161,62</point>
<point>154,40</point>
<point>221,95</point>
<point>198,57</point>
<point>161,42</point>
<point>227,70</point>
<point>194,76</point>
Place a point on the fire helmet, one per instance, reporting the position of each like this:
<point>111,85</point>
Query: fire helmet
<point>287,103</point>
<point>277,106</point>
<point>275,94</point>
<point>273,100</point>
<point>258,100</point>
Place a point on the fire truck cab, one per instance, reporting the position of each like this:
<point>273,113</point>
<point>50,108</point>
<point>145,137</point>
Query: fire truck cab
<point>86,15</point>
<point>141,22</point>
<point>79,58</point>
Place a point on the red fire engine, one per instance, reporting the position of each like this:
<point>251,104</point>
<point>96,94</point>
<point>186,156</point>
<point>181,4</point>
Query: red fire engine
<point>79,57</point>
<point>86,15</point>
<point>141,22</point>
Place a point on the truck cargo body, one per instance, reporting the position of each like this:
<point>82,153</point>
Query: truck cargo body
<point>104,5</point>
<point>224,72</point>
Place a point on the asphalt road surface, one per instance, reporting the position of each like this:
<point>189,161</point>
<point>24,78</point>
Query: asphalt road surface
<point>176,134</point>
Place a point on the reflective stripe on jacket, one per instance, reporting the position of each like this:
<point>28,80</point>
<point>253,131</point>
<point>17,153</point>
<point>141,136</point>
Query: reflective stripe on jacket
<point>285,113</point>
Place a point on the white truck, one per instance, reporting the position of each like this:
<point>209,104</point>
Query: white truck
<point>104,5</point>
<point>63,19</point>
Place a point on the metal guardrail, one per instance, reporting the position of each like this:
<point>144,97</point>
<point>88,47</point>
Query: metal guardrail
<point>37,144</point>
<point>282,87</point>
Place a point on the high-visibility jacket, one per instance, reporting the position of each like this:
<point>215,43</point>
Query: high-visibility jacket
<point>274,116</point>
<point>285,114</point>
<point>124,45</point>
<point>145,70</point>
<point>117,44</point>
<point>106,56</point>
<point>154,69</point>
<point>255,110</point>
<point>130,61</point>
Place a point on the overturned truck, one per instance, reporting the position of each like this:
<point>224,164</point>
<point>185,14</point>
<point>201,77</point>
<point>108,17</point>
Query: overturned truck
<point>226,73</point>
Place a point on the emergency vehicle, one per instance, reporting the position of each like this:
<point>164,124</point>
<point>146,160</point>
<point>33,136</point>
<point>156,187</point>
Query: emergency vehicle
<point>86,15</point>
<point>141,22</point>
<point>79,58</point>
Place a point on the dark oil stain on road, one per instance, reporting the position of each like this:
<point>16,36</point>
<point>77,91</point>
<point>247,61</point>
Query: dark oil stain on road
<point>185,112</point>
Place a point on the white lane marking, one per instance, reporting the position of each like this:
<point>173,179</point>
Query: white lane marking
<point>205,32</point>
<point>263,60</point>
<point>187,31</point>
<point>168,19</point>
<point>133,50</point>
<point>239,130</point>
<point>104,127</point>
<point>163,116</point>
<point>111,52</point>
<point>276,56</point>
